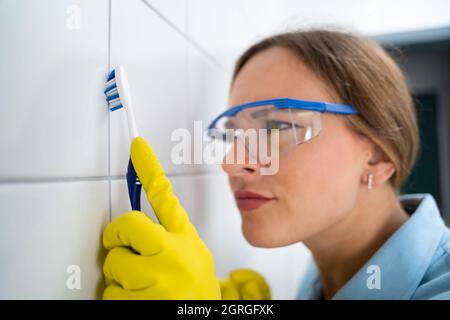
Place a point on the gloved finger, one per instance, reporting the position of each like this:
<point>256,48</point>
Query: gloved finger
<point>136,230</point>
<point>158,188</point>
<point>242,277</point>
<point>251,291</point>
<point>128,269</point>
<point>228,290</point>
<point>116,292</point>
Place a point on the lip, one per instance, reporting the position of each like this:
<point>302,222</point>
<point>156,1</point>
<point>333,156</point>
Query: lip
<point>247,200</point>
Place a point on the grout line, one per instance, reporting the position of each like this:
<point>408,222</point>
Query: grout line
<point>58,180</point>
<point>187,75</point>
<point>185,36</point>
<point>99,178</point>
<point>109,115</point>
<point>180,174</point>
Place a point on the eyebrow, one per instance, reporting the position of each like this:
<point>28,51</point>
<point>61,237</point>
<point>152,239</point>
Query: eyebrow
<point>257,113</point>
<point>262,112</point>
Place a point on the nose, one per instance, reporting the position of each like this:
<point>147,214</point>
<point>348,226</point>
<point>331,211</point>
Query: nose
<point>236,164</point>
<point>241,169</point>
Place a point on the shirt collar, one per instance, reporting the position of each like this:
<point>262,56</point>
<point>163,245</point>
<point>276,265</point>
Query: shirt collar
<point>402,259</point>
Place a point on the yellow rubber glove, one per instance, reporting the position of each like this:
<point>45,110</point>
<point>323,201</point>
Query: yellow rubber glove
<point>147,260</point>
<point>245,284</point>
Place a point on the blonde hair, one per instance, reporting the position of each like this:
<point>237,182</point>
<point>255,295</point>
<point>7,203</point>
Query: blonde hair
<point>363,74</point>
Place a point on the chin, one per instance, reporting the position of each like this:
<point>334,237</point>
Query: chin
<point>261,236</point>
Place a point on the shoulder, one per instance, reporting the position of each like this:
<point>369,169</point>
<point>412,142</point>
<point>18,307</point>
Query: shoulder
<point>436,281</point>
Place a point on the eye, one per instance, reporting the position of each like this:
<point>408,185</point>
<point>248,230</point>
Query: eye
<point>280,125</point>
<point>229,124</point>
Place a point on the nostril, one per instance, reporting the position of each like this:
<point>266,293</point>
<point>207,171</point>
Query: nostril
<point>251,170</point>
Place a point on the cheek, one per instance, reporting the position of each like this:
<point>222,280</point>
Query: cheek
<point>321,178</point>
<point>333,164</point>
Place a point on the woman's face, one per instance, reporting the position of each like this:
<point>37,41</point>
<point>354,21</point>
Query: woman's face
<point>318,182</point>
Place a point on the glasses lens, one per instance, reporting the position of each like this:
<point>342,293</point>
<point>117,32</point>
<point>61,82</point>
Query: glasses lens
<point>306,125</point>
<point>264,130</point>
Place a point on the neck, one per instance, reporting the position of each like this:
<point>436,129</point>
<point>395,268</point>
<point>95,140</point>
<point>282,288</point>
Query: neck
<point>342,249</point>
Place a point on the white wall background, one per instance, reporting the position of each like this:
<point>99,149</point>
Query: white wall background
<point>63,156</point>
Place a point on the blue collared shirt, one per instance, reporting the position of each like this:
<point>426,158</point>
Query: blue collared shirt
<point>414,263</point>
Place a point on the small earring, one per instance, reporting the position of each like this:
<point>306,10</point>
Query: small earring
<point>369,181</point>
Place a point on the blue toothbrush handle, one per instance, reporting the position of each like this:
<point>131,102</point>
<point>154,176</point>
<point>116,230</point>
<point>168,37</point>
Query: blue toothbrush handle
<point>134,187</point>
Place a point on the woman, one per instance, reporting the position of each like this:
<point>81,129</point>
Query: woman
<point>348,139</point>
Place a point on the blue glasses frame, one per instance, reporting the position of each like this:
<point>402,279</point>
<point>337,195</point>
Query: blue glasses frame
<point>284,103</point>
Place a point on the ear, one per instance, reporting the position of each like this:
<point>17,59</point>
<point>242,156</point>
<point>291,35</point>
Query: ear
<point>379,165</point>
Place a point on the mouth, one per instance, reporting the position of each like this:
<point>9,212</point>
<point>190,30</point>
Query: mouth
<point>247,200</point>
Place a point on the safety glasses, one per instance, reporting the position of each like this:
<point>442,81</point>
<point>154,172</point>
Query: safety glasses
<point>291,121</point>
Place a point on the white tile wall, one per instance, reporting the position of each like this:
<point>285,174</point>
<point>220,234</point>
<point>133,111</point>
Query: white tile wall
<point>208,84</point>
<point>44,229</point>
<point>155,60</point>
<point>172,11</point>
<point>53,119</point>
<point>205,25</point>
<point>226,28</point>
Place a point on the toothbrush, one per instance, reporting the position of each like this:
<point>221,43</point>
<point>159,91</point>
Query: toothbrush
<point>118,96</point>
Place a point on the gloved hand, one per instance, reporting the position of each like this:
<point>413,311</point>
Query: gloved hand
<point>147,260</point>
<point>244,284</point>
